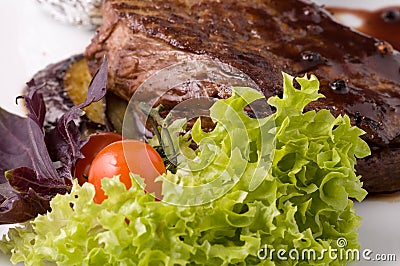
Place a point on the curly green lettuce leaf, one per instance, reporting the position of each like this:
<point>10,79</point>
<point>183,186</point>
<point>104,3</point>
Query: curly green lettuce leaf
<point>291,183</point>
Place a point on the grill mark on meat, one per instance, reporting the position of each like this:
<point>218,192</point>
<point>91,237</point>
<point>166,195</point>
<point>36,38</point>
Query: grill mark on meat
<point>261,38</point>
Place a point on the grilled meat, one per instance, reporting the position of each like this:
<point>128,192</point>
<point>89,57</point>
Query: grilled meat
<point>359,75</point>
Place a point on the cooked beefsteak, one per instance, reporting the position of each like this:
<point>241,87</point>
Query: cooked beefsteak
<point>359,75</point>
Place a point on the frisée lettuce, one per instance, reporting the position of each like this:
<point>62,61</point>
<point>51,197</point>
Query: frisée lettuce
<point>299,195</point>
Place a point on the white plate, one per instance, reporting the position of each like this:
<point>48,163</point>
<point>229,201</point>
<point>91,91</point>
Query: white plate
<point>31,40</point>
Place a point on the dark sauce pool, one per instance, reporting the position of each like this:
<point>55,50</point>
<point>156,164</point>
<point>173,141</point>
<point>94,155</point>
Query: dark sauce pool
<point>383,24</point>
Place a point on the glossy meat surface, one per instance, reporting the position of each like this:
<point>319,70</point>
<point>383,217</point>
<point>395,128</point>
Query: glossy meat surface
<point>359,75</point>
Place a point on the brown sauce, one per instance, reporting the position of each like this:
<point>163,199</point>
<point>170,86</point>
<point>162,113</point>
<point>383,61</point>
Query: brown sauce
<point>392,197</point>
<point>383,24</point>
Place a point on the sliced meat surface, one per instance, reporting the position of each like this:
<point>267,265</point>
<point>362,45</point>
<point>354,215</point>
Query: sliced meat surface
<point>359,75</point>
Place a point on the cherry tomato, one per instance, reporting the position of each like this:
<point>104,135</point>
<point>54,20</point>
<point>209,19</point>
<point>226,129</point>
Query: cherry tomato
<point>123,157</point>
<point>94,145</point>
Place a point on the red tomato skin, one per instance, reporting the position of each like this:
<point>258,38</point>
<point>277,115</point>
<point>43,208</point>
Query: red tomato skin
<point>121,158</point>
<point>94,145</point>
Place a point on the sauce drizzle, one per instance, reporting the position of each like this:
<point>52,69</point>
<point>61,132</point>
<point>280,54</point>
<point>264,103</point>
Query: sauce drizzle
<point>383,24</point>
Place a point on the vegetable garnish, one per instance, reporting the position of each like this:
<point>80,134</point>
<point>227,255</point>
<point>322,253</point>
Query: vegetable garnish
<point>303,202</point>
<point>121,158</point>
<point>34,165</point>
<point>96,142</point>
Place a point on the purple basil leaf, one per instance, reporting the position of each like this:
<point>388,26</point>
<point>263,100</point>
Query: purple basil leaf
<point>17,207</point>
<point>64,141</point>
<point>36,108</point>
<point>26,189</point>
<point>23,149</point>
<point>98,86</point>
<point>24,178</point>
<point>22,144</point>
